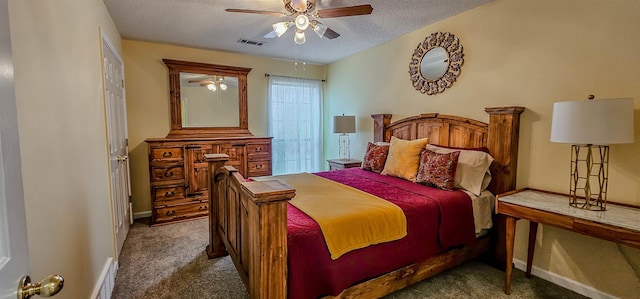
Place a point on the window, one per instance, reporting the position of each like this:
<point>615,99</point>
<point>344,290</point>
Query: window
<point>295,122</point>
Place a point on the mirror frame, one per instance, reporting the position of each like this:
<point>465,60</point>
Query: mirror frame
<point>451,44</point>
<point>175,68</point>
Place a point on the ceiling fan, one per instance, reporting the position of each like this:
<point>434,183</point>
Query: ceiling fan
<point>301,11</point>
<point>212,83</point>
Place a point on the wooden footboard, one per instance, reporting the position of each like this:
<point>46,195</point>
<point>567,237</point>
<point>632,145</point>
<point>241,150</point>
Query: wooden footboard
<point>248,220</point>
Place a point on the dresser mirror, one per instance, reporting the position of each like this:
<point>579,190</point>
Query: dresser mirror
<point>207,99</point>
<point>436,63</point>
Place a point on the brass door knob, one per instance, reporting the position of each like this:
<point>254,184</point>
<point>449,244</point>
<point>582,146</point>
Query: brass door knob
<point>47,287</point>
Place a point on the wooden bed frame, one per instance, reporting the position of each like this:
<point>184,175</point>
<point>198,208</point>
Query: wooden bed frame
<point>248,220</point>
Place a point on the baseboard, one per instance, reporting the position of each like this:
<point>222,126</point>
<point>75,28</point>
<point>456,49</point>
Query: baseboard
<point>104,288</point>
<point>564,282</point>
<point>145,214</point>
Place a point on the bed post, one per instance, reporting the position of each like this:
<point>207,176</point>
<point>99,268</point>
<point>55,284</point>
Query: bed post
<point>380,122</point>
<point>216,246</point>
<point>504,127</point>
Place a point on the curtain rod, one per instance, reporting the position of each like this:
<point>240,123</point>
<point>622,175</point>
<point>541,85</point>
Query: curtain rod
<point>268,75</point>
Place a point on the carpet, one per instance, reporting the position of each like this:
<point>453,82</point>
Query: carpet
<point>169,262</point>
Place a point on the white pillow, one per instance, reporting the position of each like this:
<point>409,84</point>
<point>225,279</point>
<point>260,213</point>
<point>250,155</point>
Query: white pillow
<point>471,169</point>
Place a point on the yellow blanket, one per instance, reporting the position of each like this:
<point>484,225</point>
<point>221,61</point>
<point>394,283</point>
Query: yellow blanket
<point>349,218</point>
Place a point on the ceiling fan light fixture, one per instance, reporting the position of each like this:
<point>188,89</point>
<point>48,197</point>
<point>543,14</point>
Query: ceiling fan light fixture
<point>299,5</point>
<point>211,87</point>
<point>319,28</point>
<point>281,27</point>
<point>223,86</point>
<point>299,38</point>
<point>302,22</point>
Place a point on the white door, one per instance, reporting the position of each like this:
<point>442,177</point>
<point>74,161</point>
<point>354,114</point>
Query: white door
<point>14,251</point>
<point>115,105</point>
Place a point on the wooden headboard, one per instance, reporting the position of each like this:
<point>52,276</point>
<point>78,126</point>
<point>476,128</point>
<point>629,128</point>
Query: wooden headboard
<point>499,136</point>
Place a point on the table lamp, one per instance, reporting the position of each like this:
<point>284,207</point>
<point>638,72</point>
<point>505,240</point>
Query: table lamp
<point>344,125</point>
<point>590,126</point>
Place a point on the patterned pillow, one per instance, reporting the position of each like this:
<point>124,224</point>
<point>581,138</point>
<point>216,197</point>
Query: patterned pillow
<point>375,157</point>
<point>472,166</point>
<point>404,158</point>
<point>438,170</point>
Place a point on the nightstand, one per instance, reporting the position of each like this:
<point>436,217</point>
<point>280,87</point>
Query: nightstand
<point>335,164</point>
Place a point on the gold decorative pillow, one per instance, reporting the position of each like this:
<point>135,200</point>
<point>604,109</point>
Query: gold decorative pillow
<point>404,158</point>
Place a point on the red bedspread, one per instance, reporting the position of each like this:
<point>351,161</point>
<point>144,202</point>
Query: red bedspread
<point>436,221</point>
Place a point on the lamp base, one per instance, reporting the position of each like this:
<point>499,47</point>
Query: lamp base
<point>589,177</point>
<point>343,149</point>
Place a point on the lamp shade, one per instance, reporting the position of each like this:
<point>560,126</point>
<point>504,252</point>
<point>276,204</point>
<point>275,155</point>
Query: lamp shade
<point>344,124</point>
<point>601,122</point>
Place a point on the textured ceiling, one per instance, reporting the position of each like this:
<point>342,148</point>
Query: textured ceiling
<point>205,24</point>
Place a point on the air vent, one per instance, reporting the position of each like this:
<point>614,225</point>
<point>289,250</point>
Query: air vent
<point>250,42</point>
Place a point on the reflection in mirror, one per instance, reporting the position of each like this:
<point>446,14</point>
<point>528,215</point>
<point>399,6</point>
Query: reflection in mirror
<point>209,100</point>
<point>434,64</point>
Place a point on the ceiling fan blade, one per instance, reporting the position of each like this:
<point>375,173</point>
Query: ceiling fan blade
<point>346,11</point>
<point>330,34</point>
<point>262,12</point>
<point>201,81</point>
<point>271,34</point>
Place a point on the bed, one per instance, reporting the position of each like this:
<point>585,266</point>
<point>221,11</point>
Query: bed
<point>248,219</point>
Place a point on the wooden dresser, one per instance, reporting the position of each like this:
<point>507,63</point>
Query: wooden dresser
<point>179,175</point>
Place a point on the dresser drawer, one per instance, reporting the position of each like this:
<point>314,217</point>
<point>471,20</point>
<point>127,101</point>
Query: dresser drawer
<point>180,212</point>
<point>166,154</point>
<point>166,203</point>
<point>168,193</point>
<point>259,151</point>
<point>259,168</point>
<point>168,173</point>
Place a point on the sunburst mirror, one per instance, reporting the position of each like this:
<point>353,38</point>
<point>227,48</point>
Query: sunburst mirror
<point>436,63</point>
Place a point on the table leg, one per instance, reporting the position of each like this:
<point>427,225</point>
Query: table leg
<point>510,236</point>
<point>533,231</point>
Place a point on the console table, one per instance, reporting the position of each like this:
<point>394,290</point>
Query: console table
<point>618,223</point>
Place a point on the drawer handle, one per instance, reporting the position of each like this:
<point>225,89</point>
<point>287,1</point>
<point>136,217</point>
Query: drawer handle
<point>167,194</point>
<point>259,166</point>
<point>258,149</point>
<point>171,213</point>
<point>202,208</point>
<point>167,154</point>
<point>168,174</point>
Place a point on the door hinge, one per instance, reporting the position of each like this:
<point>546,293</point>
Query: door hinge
<point>126,142</point>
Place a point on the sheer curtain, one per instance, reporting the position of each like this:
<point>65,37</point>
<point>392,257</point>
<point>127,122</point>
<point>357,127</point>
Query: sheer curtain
<point>295,122</point>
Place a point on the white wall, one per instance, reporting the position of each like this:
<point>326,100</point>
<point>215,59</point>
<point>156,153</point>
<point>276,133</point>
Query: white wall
<point>61,118</point>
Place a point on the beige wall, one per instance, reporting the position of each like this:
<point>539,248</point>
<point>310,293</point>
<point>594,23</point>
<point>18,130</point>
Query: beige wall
<point>147,84</point>
<point>527,53</point>
<point>56,52</point>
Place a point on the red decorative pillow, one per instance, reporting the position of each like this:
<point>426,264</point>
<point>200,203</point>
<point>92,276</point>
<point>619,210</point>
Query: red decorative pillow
<point>437,170</point>
<point>375,157</point>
